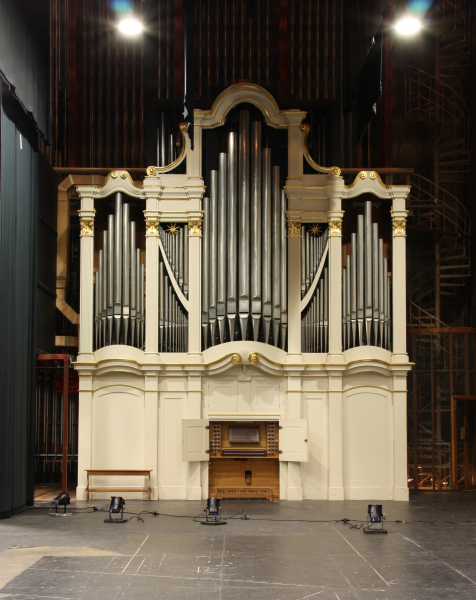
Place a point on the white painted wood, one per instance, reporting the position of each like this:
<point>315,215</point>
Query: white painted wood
<point>195,439</point>
<point>293,440</point>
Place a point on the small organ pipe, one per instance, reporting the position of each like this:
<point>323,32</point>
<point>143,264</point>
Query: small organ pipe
<point>222,244</point>
<point>353,298</point>
<point>381,280</point>
<point>255,222</point>
<point>344,305</point>
<point>303,261</point>
<point>284,270</point>
<point>105,249</point>
<point>266,244</point>
<point>96,303</point>
<point>185,260</point>
<point>276,248</point>
<point>161,306</point>
<point>138,301</point>
<point>244,222</point>
<point>166,313</point>
<point>348,300</point>
<point>326,309</point>
<point>205,269</point>
<point>142,307</point>
<point>180,260</point>
<point>360,276</point>
<point>212,306</point>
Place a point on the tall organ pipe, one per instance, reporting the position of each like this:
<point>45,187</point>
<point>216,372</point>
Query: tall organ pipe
<point>110,273</point>
<point>244,222</point>
<point>381,280</point>
<point>206,269</point>
<point>348,300</point>
<point>222,244</point>
<point>284,271</point>
<point>118,266</point>
<point>180,243</point>
<point>303,261</point>
<point>360,276</point>
<point>212,310</point>
<point>375,282</point>
<point>185,260</point>
<point>161,306</point>
<point>133,282</point>
<point>142,307</point>
<point>255,216</point>
<point>353,297</point>
<point>368,268</point>
<point>232,237</point>
<point>138,302</point>
<point>125,272</point>
<point>266,244</point>
<point>276,247</point>
<point>105,248</point>
<point>97,306</point>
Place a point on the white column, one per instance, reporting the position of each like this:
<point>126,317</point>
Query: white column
<point>194,488</point>
<point>399,314</point>
<point>295,144</point>
<point>194,158</point>
<point>336,456</point>
<point>194,284</point>
<point>152,281</point>
<point>294,287</point>
<point>85,429</point>
<point>151,429</point>
<point>400,489</point>
<point>86,278</point>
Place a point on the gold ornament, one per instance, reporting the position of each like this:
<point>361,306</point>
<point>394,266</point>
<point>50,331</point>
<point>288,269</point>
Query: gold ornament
<point>335,228</point>
<point>151,171</point>
<point>151,227</point>
<point>335,171</point>
<point>316,230</point>
<point>114,174</point>
<point>253,358</point>
<point>363,174</point>
<point>87,227</point>
<point>399,226</point>
<point>194,229</point>
<point>373,175</point>
<point>124,174</point>
<point>173,228</point>
<point>294,228</point>
<point>236,359</point>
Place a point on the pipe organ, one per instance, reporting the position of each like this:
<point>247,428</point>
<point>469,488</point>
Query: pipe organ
<point>275,308</point>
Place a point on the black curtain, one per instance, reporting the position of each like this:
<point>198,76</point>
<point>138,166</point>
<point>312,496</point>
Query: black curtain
<point>18,219</point>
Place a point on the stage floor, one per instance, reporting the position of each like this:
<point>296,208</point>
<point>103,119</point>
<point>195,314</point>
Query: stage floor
<point>80,557</point>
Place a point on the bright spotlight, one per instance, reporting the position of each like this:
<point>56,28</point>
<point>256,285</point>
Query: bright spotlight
<point>130,26</point>
<point>408,25</point>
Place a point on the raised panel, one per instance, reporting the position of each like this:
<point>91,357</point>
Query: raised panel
<point>265,396</point>
<point>173,471</point>
<point>368,440</point>
<point>293,444</point>
<point>195,439</point>
<point>315,472</point>
<point>223,396</point>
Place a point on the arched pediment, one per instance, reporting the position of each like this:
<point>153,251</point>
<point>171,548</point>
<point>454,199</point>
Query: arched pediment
<point>369,182</point>
<point>249,93</point>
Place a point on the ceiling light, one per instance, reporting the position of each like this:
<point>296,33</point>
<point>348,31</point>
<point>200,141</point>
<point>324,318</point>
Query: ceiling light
<point>408,25</point>
<point>130,26</point>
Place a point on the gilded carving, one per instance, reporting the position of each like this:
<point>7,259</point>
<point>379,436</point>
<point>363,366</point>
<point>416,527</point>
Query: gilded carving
<point>152,226</point>
<point>399,226</point>
<point>253,358</point>
<point>124,174</point>
<point>335,171</point>
<point>363,174</point>
<point>151,171</point>
<point>373,175</point>
<point>294,228</point>
<point>114,174</point>
<point>195,229</point>
<point>87,227</point>
<point>335,228</point>
<point>236,359</point>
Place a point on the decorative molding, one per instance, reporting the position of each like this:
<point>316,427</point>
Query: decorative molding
<point>124,174</point>
<point>236,358</point>
<point>399,227</point>
<point>294,228</point>
<point>154,171</point>
<point>114,174</point>
<point>333,171</point>
<point>335,227</point>
<point>373,175</point>
<point>195,228</point>
<point>253,358</point>
<point>363,175</point>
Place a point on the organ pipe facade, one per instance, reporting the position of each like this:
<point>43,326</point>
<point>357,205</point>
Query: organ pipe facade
<point>242,292</point>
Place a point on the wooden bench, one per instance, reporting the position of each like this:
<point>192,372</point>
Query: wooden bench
<point>133,472</point>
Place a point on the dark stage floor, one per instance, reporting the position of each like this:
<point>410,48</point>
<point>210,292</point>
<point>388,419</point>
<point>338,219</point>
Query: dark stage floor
<point>175,558</point>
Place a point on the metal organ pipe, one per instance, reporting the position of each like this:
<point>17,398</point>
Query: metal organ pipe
<point>375,296</point>
<point>244,222</point>
<point>255,199</point>
<point>222,244</point>
<point>276,247</point>
<point>133,314</point>
<point>104,280</point>
<point>206,269</point>
<point>110,274</point>
<point>284,271</point>
<point>232,235</point>
<point>125,271</point>
<point>118,266</point>
<point>212,305</point>
<point>266,244</point>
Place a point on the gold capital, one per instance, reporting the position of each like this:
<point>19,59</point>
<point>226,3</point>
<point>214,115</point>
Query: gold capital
<point>294,228</point>
<point>399,227</point>
<point>335,227</point>
<point>195,228</point>
<point>151,226</point>
<point>87,227</point>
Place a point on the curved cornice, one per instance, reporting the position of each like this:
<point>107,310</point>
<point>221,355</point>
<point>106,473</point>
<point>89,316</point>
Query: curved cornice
<point>369,182</point>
